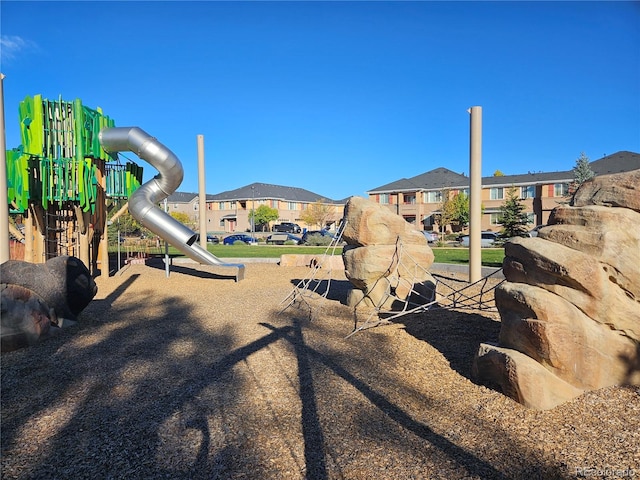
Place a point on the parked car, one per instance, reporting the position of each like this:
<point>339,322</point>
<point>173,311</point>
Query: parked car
<point>488,239</point>
<point>281,238</point>
<point>287,227</point>
<point>431,237</point>
<point>239,237</point>
<point>322,233</point>
<point>534,232</point>
<point>210,239</point>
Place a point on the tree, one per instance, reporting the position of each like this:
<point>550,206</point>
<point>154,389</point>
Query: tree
<point>460,203</point>
<point>263,215</point>
<point>318,213</point>
<point>513,218</point>
<point>581,173</point>
<point>127,226</point>
<point>498,173</point>
<point>454,210</point>
<point>182,218</point>
<point>445,217</point>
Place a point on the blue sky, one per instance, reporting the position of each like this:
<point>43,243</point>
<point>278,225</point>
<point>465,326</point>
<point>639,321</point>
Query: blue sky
<point>338,97</point>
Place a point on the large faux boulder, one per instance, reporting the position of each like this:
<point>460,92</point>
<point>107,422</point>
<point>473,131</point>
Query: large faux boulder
<point>369,223</point>
<point>616,190</point>
<point>37,295</point>
<point>25,317</point>
<point>570,308</point>
<point>386,258</point>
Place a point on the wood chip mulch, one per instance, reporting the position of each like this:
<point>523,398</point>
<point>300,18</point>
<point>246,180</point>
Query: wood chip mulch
<point>198,377</point>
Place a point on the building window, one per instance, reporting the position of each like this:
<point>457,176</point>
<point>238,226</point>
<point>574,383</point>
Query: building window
<point>233,205</point>
<point>220,205</point>
<point>497,193</point>
<point>384,198</point>
<point>274,203</point>
<point>561,190</point>
<point>432,197</point>
<point>527,192</point>
<point>494,219</point>
<point>292,205</point>
<point>410,199</point>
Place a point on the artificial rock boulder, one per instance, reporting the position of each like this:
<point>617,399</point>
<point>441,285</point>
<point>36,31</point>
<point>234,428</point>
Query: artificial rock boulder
<point>570,308</point>
<point>386,258</point>
<point>37,296</point>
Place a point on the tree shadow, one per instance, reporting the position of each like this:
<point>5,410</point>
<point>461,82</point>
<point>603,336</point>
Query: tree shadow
<point>117,420</point>
<point>455,334</point>
<point>336,290</point>
<point>314,443</point>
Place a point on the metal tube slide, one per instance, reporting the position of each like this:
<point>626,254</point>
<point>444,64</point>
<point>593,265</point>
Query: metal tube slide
<point>143,204</point>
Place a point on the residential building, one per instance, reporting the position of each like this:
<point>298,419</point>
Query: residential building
<point>419,199</point>
<point>230,211</point>
<point>189,204</point>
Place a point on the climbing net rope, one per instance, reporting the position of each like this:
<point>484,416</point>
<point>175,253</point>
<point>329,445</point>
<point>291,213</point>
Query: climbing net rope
<point>409,288</point>
<point>318,283</point>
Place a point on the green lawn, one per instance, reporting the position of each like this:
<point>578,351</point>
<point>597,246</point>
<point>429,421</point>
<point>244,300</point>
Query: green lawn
<point>264,251</point>
<point>491,257</point>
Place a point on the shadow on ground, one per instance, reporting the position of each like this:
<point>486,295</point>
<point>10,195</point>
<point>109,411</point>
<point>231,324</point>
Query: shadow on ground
<point>455,334</point>
<point>164,372</point>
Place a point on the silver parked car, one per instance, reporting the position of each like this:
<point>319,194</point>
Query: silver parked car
<point>534,232</point>
<point>488,239</point>
<point>431,237</point>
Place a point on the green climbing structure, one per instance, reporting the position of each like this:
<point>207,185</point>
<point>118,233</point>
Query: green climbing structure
<point>60,157</point>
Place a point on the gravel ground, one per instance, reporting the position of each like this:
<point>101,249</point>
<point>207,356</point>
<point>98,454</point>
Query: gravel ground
<point>195,376</point>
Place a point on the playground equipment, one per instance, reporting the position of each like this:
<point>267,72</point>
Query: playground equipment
<point>66,177</point>
<point>448,293</point>
<point>63,184</point>
<point>143,204</point>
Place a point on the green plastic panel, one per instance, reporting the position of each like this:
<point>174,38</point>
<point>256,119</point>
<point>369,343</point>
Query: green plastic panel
<point>57,161</point>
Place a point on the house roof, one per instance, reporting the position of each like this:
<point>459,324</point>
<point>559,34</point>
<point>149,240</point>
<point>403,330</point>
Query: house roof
<point>185,197</point>
<point>440,178</point>
<point>435,179</point>
<point>531,178</point>
<point>615,163</point>
<point>266,191</point>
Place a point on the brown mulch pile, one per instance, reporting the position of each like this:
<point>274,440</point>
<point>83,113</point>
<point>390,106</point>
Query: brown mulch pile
<point>195,376</point>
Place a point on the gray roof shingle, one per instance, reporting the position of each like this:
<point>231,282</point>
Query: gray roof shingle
<point>437,178</point>
<point>623,161</point>
<point>266,191</point>
<point>185,197</point>
<point>440,178</point>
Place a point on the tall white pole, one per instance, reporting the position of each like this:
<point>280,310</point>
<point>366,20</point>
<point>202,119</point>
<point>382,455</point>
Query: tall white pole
<point>202,194</point>
<point>4,199</point>
<point>475,197</point>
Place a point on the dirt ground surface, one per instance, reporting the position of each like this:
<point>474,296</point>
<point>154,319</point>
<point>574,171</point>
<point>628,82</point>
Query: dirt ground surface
<point>199,377</point>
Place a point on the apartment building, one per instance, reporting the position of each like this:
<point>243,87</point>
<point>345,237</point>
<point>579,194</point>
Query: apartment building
<point>419,199</point>
<point>229,211</point>
<point>187,203</point>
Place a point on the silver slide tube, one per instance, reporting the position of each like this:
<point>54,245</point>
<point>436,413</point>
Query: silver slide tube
<point>143,204</point>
